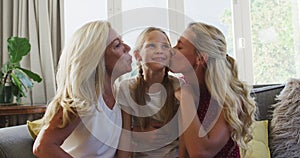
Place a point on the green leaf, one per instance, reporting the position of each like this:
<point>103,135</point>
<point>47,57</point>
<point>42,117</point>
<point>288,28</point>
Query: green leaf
<point>18,84</point>
<point>17,48</point>
<point>6,67</point>
<point>23,78</point>
<point>32,75</point>
<point>1,74</point>
<point>16,92</point>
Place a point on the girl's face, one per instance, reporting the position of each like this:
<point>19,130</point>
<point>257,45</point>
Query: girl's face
<point>184,55</point>
<point>117,58</point>
<point>155,51</point>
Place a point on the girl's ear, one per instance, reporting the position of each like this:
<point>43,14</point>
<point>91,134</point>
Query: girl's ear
<point>137,55</point>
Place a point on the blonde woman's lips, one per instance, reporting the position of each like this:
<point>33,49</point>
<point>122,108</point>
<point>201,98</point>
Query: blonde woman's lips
<point>130,61</point>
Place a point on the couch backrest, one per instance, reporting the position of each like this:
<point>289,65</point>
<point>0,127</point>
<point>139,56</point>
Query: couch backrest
<point>265,97</point>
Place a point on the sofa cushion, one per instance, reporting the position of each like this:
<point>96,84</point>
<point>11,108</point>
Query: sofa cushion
<point>34,128</point>
<point>15,142</point>
<point>259,144</point>
<point>285,125</point>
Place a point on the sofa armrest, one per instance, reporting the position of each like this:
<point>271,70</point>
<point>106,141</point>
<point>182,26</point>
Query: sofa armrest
<point>15,142</point>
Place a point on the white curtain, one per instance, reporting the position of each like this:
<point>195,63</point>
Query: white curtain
<point>41,21</point>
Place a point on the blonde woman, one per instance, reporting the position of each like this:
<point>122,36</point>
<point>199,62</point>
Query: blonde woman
<point>148,100</point>
<point>216,110</point>
<point>82,119</point>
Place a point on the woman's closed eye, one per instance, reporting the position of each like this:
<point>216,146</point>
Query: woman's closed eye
<point>117,44</point>
<point>178,47</point>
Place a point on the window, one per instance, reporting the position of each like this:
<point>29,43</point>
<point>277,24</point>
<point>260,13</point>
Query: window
<point>136,16</point>
<point>275,26</point>
<point>262,35</point>
<point>213,12</point>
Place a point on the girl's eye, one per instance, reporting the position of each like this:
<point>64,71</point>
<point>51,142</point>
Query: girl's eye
<point>151,45</point>
<point>165,46</point>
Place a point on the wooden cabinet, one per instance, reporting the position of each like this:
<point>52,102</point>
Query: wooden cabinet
<point>11,115</point>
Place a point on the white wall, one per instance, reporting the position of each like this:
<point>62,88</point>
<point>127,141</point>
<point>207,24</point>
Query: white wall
<point>79,12</point>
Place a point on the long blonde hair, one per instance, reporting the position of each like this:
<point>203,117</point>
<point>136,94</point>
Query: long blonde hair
<point>221,79</point>
<point>138,89</point>
<point>81,72</point>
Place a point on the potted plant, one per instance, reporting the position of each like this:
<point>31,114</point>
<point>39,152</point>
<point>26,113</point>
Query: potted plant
<point>15,80</point>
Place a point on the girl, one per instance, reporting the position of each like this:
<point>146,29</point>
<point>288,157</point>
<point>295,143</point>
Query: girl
<point>148,100</point>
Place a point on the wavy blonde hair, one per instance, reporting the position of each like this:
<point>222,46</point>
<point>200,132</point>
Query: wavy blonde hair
<point>221,79</point>
<point>81,72</point>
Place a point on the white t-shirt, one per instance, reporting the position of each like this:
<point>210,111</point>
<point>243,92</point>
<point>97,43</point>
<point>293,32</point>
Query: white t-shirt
<point>97,135</point>
<point>167,146</point>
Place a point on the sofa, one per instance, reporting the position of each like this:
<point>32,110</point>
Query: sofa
<point>16,142</point>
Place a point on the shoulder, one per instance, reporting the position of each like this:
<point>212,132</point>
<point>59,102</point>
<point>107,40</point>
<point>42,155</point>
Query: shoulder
<point>127,82</point>
<point>59,118</point>
<point>177,82</point>
<point>124,90</point>
<point>57,130</point>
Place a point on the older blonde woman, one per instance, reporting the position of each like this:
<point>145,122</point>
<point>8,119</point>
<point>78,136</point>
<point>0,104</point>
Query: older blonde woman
<point>82,119</point>
<point>216,108</point>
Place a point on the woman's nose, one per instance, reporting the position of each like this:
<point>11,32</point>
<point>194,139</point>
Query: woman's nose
<point>127,48</point>
<point>175,47</point>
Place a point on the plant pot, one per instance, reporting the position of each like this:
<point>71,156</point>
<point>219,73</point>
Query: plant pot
<point>6,95</point>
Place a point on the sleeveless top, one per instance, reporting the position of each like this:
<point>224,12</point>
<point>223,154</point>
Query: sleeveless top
<point>168,147</point>
<point>231,149</point>
<point>97,135</point>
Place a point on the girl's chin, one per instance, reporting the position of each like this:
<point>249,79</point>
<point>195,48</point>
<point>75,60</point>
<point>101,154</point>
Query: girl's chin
<point>157,64</point>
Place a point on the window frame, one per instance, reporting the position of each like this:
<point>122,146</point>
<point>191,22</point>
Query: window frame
<point>241,28</point>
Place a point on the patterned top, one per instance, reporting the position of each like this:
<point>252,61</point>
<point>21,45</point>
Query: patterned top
<point>231,149</point>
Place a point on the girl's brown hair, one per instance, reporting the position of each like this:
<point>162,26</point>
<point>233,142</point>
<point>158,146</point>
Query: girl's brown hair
<point>138,89</point>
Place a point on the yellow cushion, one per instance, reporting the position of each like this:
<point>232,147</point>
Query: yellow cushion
<point>259,145</point>
<point>34,128</point>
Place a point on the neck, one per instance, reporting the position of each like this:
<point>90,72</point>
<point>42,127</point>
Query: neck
<point>108,95</point>
<point>108,85</point>
<point>152,77</point>
<point>196,78</point>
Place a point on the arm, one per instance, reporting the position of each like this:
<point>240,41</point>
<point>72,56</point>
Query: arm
<point>182,149</point>
<point>125,139</point>
<point>208,145</point>
<point>50,138</point>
